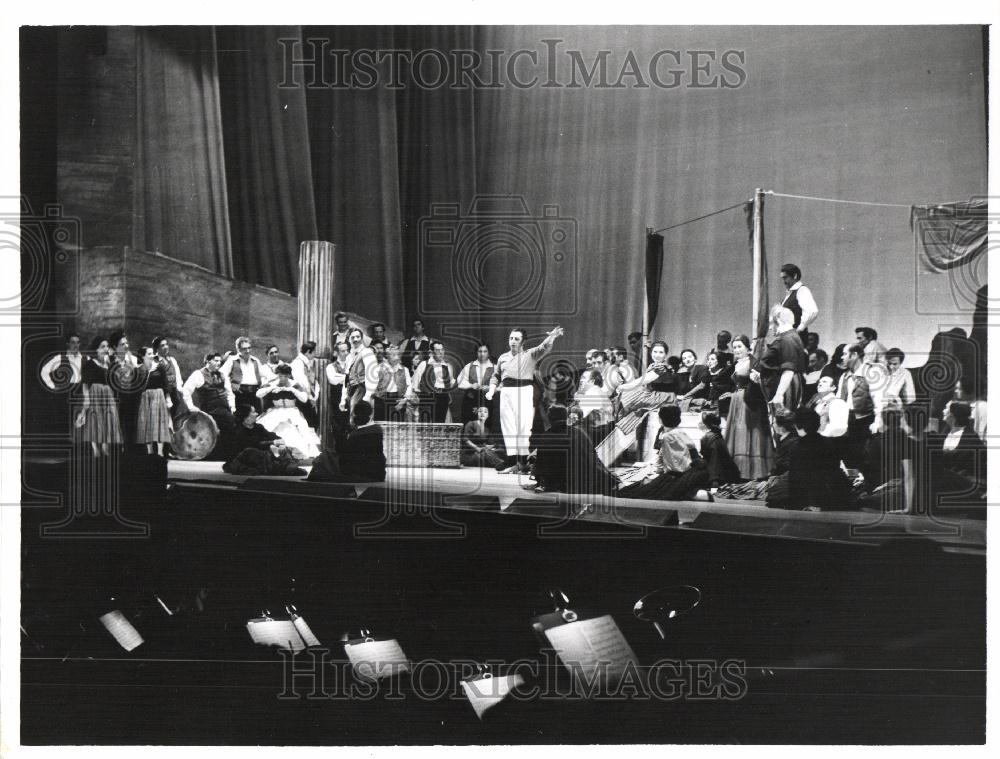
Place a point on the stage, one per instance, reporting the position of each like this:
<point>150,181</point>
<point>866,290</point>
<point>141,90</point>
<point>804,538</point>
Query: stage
<point>482,489</point>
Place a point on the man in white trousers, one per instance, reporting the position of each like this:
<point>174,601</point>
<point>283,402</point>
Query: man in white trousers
<point>515,372</point>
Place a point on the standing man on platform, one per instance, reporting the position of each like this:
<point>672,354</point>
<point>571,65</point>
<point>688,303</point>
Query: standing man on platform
<point>798,299</point>
<point>362,374</point>
<point>514,375</point>
<point>246,375</point>
<point>419,343</point>
<point>63,372</point>
<point>433,382</point>
<point>304,375</point>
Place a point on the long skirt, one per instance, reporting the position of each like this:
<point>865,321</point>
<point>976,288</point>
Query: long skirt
<point>101,423</point>
<point>748,438</point>
<point>153,424</point>
<point>291,427</point>
<point>669,486</point>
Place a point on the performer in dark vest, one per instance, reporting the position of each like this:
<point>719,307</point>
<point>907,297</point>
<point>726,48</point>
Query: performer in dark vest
<point>433,381</point>
<point>245,373</point>
<point>208,390</point>
<point>390,392</point>
<point>361,372</point>
<point>475,381</point>
<point>419,343</point>
<point>63,375</point>
<point>171,377</point>
<point>798,299</point>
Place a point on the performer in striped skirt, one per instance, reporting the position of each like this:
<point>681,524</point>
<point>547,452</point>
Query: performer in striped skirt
<point>153,426</point>
<point>99,416</point>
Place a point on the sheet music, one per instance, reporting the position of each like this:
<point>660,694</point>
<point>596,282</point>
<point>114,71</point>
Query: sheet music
<point>305,632</point>
<point>273,632</point>
<point>121,630</point>
<point>594,650</point>
<point>485,692</point>
<point>376,659</point>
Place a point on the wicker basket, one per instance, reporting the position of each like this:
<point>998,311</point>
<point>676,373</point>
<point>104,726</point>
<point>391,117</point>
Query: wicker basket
<point>421,444</point>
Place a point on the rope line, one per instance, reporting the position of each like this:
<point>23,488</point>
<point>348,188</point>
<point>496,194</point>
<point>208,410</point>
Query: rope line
<point>851,202</point>
<point>699,218</point>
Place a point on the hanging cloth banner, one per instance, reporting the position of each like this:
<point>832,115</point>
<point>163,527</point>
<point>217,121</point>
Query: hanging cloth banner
<point>951,234</point>
<point>654,270</point>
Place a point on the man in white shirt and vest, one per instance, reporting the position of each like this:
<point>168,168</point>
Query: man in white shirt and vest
<point>270,365</point>
<point>62,374</point>
<point>514,375</point>
<point>304,375</point>
<point>208,390</point>
<point>361,372</point>
<point>798,299</point>
<point>432,383</point>
<point>391,388</point>
<point>245,373</point>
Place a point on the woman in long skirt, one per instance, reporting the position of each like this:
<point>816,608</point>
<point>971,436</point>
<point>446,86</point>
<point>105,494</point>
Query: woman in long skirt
<point>99,416</point>
<point>748,430</point>
<point>283,418</point>
<point>153,426</point>
<point>478,448</point>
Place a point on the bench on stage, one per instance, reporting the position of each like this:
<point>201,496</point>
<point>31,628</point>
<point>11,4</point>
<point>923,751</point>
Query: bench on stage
<point>421,444</point>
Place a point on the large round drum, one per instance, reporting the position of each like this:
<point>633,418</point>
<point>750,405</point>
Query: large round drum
<point>196,437</point>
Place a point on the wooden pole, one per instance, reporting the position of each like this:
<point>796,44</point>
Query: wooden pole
<point>758,245</point>
<point>316,319</point>
<point>646,326</point>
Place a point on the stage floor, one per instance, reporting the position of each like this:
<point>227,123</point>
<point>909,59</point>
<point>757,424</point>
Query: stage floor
<point>469,487</point>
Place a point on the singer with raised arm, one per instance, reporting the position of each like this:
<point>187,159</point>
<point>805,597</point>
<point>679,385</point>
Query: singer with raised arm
<point>514,375</point>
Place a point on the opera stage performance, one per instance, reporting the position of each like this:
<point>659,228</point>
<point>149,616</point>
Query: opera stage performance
<point>425,385</point>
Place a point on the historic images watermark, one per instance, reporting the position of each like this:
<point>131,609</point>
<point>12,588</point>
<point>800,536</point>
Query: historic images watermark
<point>314,675</point>
<point>316,63</point>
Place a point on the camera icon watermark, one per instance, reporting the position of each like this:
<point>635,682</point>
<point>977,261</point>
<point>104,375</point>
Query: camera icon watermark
<point>47,245</point>
<point>500,259</point>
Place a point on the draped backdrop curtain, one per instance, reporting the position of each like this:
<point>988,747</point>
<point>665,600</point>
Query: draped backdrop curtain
<point>570,177</point>
<point>268,162</point>
<point>180,192</point>
<point>354,144</point>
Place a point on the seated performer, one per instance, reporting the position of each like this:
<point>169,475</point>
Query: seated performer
<point>694,379</point>
<point>478,450</point>
<point>515,373</point>
<point>718,462</point>
<point>678,472</point>
<point>276,460</point>
<point>246,434</point>
<point>359,455</point>
<point>637,398</point>
<point>208,390</point>
<point>283,417</point>
<point>565,460</point>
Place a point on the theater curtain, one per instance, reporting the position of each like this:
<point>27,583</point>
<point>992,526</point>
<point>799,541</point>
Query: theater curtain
<point>268,166</point>
<point>180,190</point>
<point>437,168</point>
<point>353,142</point>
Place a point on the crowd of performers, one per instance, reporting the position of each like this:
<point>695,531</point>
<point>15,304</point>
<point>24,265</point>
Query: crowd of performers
<point>781,420</point>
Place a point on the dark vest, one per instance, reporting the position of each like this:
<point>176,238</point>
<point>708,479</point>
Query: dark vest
<point>791,302</point>
<point>236,371</point>
<point>484,382</point>
<point>62,377</point>
<point>169,377</point>
<point>385,373</point>
<point>356,375</point>
<point>429,378</point>
<point>212,394</point>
